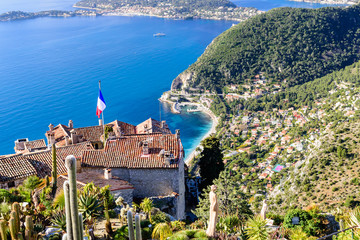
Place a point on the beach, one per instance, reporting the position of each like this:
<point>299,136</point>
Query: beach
<point>175,108</point>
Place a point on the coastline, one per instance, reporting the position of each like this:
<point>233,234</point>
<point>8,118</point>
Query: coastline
<point>212,130</point>
<point>215,122</point>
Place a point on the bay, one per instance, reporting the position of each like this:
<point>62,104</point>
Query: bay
<point>50,68</point>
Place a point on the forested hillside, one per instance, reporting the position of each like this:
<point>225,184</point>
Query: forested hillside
<point>298,45</point>
<point>307,94</point>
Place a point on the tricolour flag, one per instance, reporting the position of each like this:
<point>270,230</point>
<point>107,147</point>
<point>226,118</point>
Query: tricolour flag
<point>100,104</point>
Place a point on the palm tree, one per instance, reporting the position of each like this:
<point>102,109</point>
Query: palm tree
<point>161,231</point>
<point>147,205</point>
<point>256,229</point>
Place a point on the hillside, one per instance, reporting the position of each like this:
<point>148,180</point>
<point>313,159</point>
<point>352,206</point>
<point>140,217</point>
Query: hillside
<point>298,45</point>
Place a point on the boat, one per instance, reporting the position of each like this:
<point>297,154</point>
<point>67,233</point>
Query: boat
<point>159,34</point>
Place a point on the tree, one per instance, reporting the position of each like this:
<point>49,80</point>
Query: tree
<point>232,200</point>
<point>211,161</point>
<point>31,183</point>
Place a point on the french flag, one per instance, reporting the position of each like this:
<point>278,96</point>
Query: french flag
<point>100,104</point>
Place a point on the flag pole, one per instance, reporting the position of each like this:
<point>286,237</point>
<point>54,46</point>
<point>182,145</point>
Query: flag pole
<point>102,114</point>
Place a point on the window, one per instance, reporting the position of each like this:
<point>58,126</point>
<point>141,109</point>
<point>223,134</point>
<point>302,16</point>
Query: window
<point>11,184</point>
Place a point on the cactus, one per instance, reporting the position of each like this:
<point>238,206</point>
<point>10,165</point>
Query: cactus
<point>47,181</point>
<point>74,227</point>
<point>13,228</point>
<point>3,230</point>
<point>54,172</point>
<point>137,227</point>
<point>130,225</point>
<point>105,192</point>
<point>16,215</point>
<point>29,229</point>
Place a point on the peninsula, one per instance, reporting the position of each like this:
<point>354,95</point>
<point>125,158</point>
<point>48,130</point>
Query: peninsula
<point>20,15</point>
<point>179,9</point>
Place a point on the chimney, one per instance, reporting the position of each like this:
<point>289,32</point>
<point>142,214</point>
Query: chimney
<point>67,142</point>
<point>100,122</point>
<point>51,127</point>
<point>71,124</point>
<point>78,165</point>
<point>145,146</point>
<point>163,124</point>
<point>177,133</point>
<point>51,138</point>
<point>167,158</point>
<point>107,173</point>
<point>74,138</point>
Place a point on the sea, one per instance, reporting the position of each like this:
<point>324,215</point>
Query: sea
<point>50,69</point>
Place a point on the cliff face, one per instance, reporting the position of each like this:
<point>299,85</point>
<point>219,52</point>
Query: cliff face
<point>182,81</point>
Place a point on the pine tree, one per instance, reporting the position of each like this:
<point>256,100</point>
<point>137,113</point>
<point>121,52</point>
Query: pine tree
<point>232,201</point>
<point>211,161</point>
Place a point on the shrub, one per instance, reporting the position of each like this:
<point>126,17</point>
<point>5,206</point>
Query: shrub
<point>160,217</point>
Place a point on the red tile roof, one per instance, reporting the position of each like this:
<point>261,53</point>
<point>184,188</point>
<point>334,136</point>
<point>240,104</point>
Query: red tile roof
<point>35,144</point>
<point>127,152</point>
<point>38,163</point>
<point>76,150</point>
<point>152,126</point>
<point>15,167</point>
<point>42,162</point>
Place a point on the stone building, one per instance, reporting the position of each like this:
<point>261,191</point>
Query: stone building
<point>140,161</point>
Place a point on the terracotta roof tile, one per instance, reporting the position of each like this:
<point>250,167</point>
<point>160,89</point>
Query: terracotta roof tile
<point>76,150</point>
<point>35,144</point>
<point>152,126</point>
<point>127,152</point>
<point>15,167</point>
<point>42,162</point>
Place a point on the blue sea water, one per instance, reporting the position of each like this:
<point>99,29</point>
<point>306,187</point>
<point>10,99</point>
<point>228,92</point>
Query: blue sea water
<point>50,68</point>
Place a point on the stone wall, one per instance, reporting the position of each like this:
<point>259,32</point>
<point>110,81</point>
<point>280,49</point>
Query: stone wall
<point>4,185</point>
<point>127,194</point>
<point>154,182</point>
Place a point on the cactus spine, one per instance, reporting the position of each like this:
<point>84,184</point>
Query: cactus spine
<point>29,228</point>
<point>130,225</point>
<point>3,230</point>
<point>137,227</point>
<point>73,226</point>
<point>54,171</point>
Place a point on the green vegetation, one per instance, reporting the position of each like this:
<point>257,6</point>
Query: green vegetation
<point>298,45</point>
<point>307,94</point>
<point>210,162</point>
